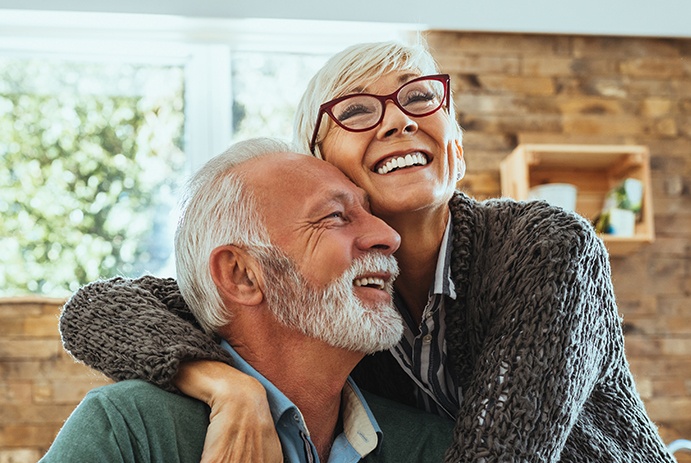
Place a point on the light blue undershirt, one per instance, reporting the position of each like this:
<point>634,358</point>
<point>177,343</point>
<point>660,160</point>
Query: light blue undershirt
<point>361,433</point>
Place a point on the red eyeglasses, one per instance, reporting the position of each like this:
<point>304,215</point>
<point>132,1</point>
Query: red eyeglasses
<point>360,112</point>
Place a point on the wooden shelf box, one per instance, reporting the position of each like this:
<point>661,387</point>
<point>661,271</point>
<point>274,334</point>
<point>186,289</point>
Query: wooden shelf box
<point>594,170</point>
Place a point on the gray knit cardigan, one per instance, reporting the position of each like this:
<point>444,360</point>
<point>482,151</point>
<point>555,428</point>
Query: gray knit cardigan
<point>534,339</point>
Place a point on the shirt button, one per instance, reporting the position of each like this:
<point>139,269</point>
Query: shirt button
<point>426,339</point>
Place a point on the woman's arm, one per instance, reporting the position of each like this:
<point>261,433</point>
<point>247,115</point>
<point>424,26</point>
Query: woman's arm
<point>135,329</point>
<point>142,329</point>
<point>547,307</point>
<point>241,427</point>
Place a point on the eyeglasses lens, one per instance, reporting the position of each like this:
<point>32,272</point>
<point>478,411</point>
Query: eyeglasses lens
<point>417,98</point>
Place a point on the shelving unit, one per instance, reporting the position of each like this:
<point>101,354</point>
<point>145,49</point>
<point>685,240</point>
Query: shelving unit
<point>594,170</point>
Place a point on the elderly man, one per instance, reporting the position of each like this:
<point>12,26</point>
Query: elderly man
<point>277,254</point>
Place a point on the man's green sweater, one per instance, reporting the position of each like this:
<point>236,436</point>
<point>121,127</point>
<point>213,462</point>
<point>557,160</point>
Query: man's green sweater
<point>133,421</point>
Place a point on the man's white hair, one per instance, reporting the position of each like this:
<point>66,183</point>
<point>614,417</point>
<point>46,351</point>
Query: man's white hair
<point>218,209</point>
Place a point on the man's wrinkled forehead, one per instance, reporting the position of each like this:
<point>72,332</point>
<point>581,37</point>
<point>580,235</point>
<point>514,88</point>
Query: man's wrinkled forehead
<point>296,181</point>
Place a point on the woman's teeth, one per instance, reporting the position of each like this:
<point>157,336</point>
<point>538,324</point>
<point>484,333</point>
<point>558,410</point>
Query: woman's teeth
<point>414,159</point>
<point>376,282</point>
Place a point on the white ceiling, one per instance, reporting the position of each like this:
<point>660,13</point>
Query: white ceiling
<point>662,18</point>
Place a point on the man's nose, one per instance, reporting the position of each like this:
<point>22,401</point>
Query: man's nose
<point>376,235</point>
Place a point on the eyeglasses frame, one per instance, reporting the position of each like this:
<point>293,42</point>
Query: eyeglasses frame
<point>326,108</point>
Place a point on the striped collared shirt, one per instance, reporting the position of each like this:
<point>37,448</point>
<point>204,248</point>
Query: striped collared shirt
<point>422,350</point>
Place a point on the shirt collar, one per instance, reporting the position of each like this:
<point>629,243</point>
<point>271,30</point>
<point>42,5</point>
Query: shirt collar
<point>443,282</point>
<point>359,425</point>
<point>278,402</point>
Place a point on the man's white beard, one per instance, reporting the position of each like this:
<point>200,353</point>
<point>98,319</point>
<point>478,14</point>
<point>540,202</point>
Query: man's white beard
<point>334,314</point>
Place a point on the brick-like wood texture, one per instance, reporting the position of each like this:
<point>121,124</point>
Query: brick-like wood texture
<point>521,88</point>
<point>40,384</point>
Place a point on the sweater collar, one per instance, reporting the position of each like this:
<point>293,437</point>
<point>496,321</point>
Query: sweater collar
<point>464,229</point>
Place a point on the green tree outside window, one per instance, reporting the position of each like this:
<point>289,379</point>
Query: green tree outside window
<point>90,161</point>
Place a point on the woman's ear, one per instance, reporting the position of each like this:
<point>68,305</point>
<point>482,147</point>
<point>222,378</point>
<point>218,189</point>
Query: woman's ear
<point>237,275</point>
<point>460,171</point>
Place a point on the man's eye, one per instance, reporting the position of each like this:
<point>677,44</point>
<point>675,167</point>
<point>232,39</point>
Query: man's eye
<point>335,215</point>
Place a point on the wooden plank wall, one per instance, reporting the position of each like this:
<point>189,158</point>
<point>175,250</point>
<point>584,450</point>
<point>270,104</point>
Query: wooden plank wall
<point>520,88</point>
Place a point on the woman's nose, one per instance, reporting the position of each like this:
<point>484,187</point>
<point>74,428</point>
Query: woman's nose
<point>395,121</point>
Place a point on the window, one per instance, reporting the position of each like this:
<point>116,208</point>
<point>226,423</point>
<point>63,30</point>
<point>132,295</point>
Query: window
<point>103,116</point>
<point>92,154</point>
<point>267,87</point>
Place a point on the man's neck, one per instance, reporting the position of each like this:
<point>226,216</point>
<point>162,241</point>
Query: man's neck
<point>310,373</point>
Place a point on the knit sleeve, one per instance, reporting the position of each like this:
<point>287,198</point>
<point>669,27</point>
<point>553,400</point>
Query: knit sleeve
<point>135,329</point>
<point>541,339</point>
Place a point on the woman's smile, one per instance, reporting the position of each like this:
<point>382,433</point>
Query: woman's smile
<point>398,162</point>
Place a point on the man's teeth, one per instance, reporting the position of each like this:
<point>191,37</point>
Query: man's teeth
<point>376,282</point>
<point>413,159</point>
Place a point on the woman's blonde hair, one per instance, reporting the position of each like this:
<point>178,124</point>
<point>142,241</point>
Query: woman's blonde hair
<point>350,70</point>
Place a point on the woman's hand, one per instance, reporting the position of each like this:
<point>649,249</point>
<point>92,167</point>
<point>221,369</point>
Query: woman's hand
<point>241,428</point>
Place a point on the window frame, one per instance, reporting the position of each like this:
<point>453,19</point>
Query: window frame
<point>204,47</point>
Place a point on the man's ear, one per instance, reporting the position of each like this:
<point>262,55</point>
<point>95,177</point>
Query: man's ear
<point>237,275</point>
<point>460,172</point>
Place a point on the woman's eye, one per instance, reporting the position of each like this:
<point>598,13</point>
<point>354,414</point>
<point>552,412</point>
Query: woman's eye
<point>353,111</point>
<point>419,97</point>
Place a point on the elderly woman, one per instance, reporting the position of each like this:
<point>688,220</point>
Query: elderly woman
<point>511,323</point>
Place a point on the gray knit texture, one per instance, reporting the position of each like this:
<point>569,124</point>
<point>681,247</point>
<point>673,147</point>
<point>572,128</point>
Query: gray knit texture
<point>135,329</point>
<point>534,338</point>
